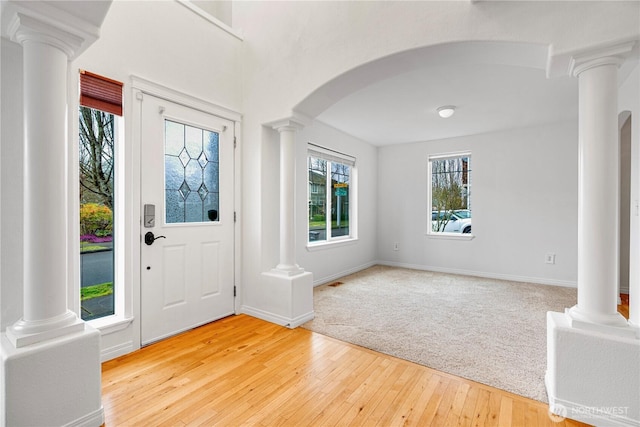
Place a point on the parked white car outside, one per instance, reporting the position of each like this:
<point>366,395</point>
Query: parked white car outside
<point>459,221</point>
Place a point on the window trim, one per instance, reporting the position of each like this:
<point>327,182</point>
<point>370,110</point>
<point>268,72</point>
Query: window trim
<point>333,156</point>
<point>429,231</point>
<point>123,315</point>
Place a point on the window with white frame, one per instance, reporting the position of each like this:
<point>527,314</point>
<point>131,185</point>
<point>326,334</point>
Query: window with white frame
<point>449,194</point>
<point>99,114</point>
<point>331,195</point>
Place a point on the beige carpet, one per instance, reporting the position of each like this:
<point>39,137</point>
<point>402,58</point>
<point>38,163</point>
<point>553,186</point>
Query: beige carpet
<point>486,330</point>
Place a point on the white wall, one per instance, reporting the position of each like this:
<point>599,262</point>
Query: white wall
<point>169,44</point>
<point>524,193</point>
<point>330,262</point>
<point>11,155</point>
<point>220,9</point>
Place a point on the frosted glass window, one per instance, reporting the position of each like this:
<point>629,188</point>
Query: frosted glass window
<point>191,174</point>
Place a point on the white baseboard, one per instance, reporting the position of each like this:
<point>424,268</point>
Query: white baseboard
<point>327,279</point>
<point>276,318</point>
<point>301,319</point>
<point>116,351</point>
<point>513,278</point>
<point>93,419</point>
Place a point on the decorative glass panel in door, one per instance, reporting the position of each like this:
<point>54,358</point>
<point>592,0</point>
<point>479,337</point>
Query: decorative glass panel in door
<point>191,174</point>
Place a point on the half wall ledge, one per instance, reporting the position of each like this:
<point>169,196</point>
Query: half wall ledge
<point>591,376</point>
<point>286,300</point>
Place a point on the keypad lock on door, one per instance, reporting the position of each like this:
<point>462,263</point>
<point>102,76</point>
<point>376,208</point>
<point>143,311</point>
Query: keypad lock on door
<point>149,216</point>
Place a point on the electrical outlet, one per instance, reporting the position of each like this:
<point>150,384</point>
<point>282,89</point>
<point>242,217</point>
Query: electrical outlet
<point>550,258</point>
<point>396,246</point>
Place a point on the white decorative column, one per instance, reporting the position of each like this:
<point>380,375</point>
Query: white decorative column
<point>288,293</point>
<point>598,190</point>
<point>287,265</point>
<point>46,52</point>
<point>51,373</point>
<point>593,354</point>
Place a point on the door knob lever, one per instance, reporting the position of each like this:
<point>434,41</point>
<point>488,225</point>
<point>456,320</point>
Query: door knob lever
<point>149,238</point>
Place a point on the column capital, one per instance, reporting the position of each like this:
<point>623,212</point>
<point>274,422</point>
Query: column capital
<point>289,124</point>
<point>606,55</point>
<point>24,28</point>
<point>60,24</point>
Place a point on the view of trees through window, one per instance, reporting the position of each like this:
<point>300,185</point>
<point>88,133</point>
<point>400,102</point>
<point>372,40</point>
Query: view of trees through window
<point>329,194</point>
<point>96,155</point>
<point>451,194</point>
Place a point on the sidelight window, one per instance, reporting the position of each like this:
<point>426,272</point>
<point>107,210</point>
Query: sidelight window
<point>99,115</point>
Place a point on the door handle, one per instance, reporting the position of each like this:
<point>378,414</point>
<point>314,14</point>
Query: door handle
<point>149,238</point>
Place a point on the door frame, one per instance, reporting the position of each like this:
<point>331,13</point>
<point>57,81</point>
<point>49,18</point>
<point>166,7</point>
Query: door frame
<point>140,87</point>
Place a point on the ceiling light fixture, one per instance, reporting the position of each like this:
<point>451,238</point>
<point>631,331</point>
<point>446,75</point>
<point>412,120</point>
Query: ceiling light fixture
<point>446,111</point>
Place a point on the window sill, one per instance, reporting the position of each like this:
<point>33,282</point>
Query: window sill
<point>312,247</point>
<point>451,236</point>
<point>111,324</point>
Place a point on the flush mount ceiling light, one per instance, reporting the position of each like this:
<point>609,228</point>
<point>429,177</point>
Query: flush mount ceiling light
<point>446,111</point>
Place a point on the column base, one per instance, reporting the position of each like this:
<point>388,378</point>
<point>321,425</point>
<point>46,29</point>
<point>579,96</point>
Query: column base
<point>287,300</point>
<point>55,382</point>
<point>592,377</point>
<point>614,324</point>
<point>24,333</point>
<point>287,270</point>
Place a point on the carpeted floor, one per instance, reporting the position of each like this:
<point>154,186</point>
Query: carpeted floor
<point>490,331</point>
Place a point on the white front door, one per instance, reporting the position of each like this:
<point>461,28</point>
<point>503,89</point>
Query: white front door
<point>187,183</point>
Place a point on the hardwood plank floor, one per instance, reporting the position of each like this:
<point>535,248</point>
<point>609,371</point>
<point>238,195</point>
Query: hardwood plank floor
<point>241,371</point>
<point>624,307</point>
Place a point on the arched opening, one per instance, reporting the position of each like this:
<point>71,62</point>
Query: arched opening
<point>521,129</point>
<point>394,99</point>
<point>456,54</point>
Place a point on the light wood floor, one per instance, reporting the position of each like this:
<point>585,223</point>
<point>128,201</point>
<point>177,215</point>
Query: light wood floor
<point>244,371</point>
<point>624,307</point>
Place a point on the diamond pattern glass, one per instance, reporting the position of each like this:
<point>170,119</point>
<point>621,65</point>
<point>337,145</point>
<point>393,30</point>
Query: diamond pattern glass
<point>184,190</point>
<point>202,191</point>
<point>191,174</point>
<point>202,160</point>
<point>184,157</point>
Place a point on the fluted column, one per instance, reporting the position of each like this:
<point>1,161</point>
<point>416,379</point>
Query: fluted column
<point>598,190</point>
<point>287,263</point>
<point>46,52</point>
